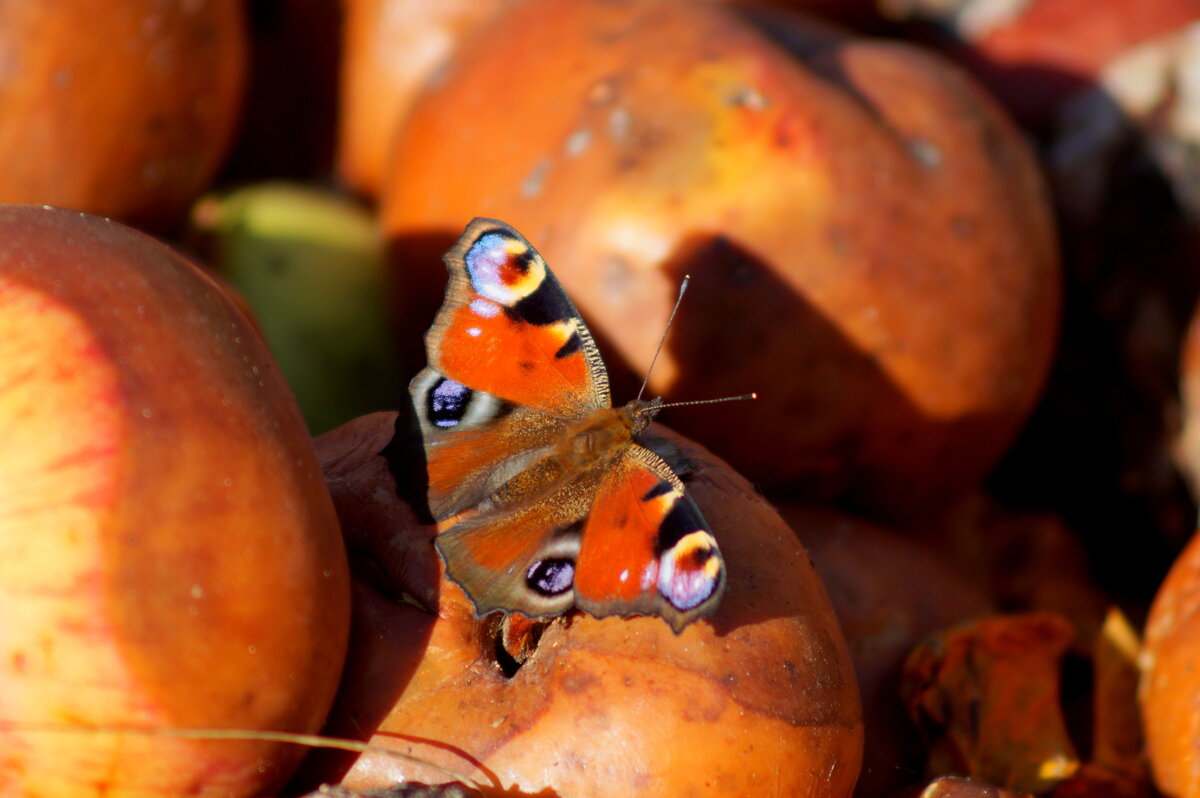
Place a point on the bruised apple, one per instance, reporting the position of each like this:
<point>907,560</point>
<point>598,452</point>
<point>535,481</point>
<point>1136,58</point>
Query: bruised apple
<point>868,238</point>
<point>123,108</point>
<point>757,699</point>
<point>170,560</point>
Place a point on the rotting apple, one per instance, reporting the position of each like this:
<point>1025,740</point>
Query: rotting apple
<point>759,698</point>
<point>986,695</point>
<point>123,109</point>
<point>869,239</point>
<point>889,592</point>
<point>170,559</point>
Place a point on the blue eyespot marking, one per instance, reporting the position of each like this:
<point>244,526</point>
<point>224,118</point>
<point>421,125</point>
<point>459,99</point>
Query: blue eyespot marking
<point>494,269</point>
<point>448,402</point>
<point>551,577</point>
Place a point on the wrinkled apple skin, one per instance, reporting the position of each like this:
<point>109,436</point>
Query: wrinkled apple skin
<point>758,699</point>
<point>169,556</point>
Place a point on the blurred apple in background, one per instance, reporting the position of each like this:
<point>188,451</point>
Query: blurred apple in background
<point>169,555</point>
<point>391,48</point>
<point>121,109</point>
<point>309,263</point>
<point>871,247</point>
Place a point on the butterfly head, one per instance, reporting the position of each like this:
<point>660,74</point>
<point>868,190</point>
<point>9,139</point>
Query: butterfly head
<point>640,412</point>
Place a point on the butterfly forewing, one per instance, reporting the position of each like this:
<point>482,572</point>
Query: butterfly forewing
<point>542,499</point>
<point>508,329</point>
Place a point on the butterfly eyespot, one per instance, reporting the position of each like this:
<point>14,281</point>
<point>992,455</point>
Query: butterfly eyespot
<point>551,577</point>
<point>502,269</point>
<point>690,571</point>
<point>448,403</point>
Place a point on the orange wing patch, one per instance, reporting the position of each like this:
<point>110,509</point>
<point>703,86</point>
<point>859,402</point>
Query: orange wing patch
<point>646,548</point>
<point>529,365</point>
<point>618,561</point>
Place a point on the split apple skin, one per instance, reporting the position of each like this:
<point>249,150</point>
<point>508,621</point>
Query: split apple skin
<point>169,556</point>
<point>757,699</point>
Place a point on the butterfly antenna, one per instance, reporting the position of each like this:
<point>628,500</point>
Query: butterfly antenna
<point>670,320</point>
<point>744,397</point>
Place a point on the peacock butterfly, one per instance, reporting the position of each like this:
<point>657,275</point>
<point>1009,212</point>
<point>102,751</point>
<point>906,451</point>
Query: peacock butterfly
<point>542,496</point>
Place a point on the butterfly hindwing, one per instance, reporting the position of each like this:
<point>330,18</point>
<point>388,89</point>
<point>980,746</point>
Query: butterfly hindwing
<point>520,560</point>
<point>646,549</point>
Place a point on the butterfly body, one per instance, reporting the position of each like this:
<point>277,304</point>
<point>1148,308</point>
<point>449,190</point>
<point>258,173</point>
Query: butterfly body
<point>544,499</point>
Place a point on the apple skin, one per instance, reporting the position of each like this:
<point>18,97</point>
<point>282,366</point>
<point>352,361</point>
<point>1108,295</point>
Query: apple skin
<point>122,109</point>
<point>169,555</point>
<point>870,243</point>
<point>1170,684</point>
<point>757,699</point>
<point>393,48</point>
<point>390,49</point>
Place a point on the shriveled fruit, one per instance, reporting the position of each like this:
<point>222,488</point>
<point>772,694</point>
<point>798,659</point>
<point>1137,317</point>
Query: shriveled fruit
<point>758,699</point>
<point>986,695</point>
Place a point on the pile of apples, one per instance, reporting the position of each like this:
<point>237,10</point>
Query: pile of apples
<point>951,246</point>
